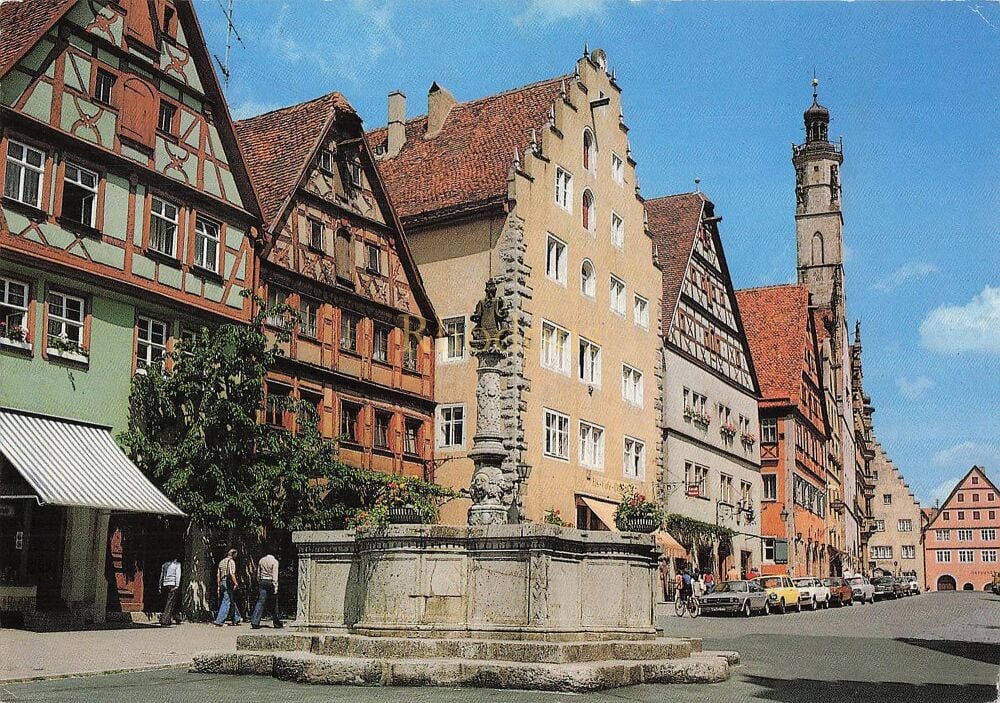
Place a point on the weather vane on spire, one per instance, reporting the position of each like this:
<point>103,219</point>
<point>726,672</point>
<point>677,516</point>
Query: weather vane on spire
<point>815,86</point>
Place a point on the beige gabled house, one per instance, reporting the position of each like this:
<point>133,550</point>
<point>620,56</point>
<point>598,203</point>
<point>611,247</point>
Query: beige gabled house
<point>895,543</point>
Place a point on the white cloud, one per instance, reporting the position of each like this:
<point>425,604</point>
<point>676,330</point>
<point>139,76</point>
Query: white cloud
<point>906,272</point>
<point>973,327</point>
<point>911,389</point>
<point>848,254</point>
<point>962,456</point>
<point>545,12</point>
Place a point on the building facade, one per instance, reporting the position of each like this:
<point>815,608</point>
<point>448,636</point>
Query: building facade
<point>362,348</point>
<point>127,221</point>
<point>960,541</point>
<point>794,430</point>
<point>895,544</point>
<point>711,464</point>
<point>536,188</point>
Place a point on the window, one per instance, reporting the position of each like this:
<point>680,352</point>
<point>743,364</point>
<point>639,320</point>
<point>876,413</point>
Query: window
<point>309,317</point>
<point>163,227</point>
<point>169,27</point>
<point>879,525</point>
<point>66,316</point>
<point>13,307</point>
<point>886,499</point>
<point>151,345</point>
<point>961,515</point>
<point>975,480</point>
<point>104,86</point>
<point>635,459</point>
<point>617,230</point>
<point>696,475</point>
<point>411,436</point>
<point>966,556</point>
<point>908,551</point>
<point>988,535</point>
<point>555,347</point>
<point>556,435</point>
<point>591,445</point>
<point>275,404</point>
<point>454,334</point>
<point>942,535</point>
<point>746,492</point>
<point>881,552</point>
<point>589,366</point>
<point>961,498</point>
<point>617,296</point>
<point>206,244</point>
<point>640,311</point>
<point>588,279</point>
<point>316,232</point>
<point>380,343</point>
<point>942,556</point>
<point>451,424</point>
<point>382,421</point>
<point>277,298</point>
<point>589,151</point>
<point>769,430</point>
<point>632,385</point>
<point>725,413</point>
<point>965,535</point>
<point>350,422</point>
<point>989,556</point>
<point>975,497</point>
<point>904,525</point>
<point>589,212</point>
<point>165,119</point>
<point>374,259</point>
<point>770,486</point>
<point>23,179</point>
<point>768,543</point>
<point>555,260</point>
<point>326,160</point>
<point>975,514</point>
<point>617,169</point>
<point>726,488</point>
<point>945,515</point>
<point>564,189</point>
<point>411,358</point>
<point>349,331</point>
<point>344,257</point>
<point>79,198</point>
<point>357,179</point>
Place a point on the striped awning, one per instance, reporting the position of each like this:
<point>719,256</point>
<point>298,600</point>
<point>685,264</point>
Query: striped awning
<point>76,464</point>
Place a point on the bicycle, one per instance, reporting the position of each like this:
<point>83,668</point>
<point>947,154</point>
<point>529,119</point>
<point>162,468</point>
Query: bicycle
<point>691,606</point>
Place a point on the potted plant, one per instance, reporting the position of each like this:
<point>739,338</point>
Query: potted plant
<point>553,517</point>
<point>748,439</point>
<point>403,504</point>
<point>63,346</point>
<point>702,418</point>
<point>14,335</point>
<point>728,430</point>
<point>637,514</point>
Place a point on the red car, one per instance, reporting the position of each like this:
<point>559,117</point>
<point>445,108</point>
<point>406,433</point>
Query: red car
<point>840,591</point>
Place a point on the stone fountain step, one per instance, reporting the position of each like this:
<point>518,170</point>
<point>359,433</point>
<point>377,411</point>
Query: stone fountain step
<point>358,646</point>
<point>307,667</point>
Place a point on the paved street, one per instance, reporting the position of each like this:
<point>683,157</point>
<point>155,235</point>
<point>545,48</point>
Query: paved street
<point>933,647</point>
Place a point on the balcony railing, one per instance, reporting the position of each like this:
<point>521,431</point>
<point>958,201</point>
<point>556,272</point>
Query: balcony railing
<point>818,147</point>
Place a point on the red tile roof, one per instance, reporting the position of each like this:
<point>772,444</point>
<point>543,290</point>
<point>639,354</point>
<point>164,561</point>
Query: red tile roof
<point>22,23</point>
<point>673,223</point>
<point>278,145</point>
<point>776,319</point>
<point>465,165</point>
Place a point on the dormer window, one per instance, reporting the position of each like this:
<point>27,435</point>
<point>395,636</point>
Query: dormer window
<point>326,160</point>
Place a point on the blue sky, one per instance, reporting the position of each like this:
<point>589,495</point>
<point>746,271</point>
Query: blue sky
<point>716,91</point>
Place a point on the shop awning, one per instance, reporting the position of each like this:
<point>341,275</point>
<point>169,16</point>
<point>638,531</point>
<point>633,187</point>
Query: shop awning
<point>76,464</point>
<point>604,510</point>
<point>670,546</point>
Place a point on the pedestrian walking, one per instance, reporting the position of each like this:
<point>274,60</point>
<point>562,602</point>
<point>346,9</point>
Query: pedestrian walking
<point>170,583</point>
<point>227,586</point>
<point>267,590</point>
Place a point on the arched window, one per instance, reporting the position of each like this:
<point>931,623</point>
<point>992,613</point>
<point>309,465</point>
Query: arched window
<point>589,212</point>
<point>588,279</point>
<point>817,249</point>
<point>589,151</point>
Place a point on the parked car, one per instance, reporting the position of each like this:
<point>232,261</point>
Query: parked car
<point>781,592</point>
<point>812,593</point>
<point>841,591</point>
<point>732,597</point>
<point>864,590</point>
<point>910,583</point>
<point>887,587</point>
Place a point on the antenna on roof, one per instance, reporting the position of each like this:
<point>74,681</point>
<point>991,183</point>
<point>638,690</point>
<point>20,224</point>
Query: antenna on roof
<point>230,33</point>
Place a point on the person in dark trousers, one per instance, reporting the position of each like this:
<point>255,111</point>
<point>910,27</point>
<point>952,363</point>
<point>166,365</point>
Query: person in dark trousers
<point>170,583</point>
<point>227,585</point>
<point>267,584</point>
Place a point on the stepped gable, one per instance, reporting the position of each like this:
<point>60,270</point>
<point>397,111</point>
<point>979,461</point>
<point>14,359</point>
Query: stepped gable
<point>464,166</point>
<point>776,319</point>
<point>673,223</point>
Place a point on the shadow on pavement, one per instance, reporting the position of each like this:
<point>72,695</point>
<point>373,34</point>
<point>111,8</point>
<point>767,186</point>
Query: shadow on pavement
<point>811,690</point>
<point>988,652</point>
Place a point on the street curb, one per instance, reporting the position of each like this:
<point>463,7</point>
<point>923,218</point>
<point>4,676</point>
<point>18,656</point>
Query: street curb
<point>103,672</point>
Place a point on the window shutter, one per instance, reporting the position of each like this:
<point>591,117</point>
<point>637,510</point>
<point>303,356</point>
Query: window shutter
<point>137,119</point>
<point>139,23</point>
<point>780,551</point>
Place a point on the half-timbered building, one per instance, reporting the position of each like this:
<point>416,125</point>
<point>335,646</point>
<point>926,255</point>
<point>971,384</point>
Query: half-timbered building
<point>127,221</point>
<point>361,350</point>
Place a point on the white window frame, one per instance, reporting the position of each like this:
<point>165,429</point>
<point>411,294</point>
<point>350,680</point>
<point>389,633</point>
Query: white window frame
<point>640,311</point>
<point>942,535</point>
<point>23,165</point>
<point>634,459</point>
<point>207,240</point>
<point>65,323</point>
<point>356,174</point>
<point>377,354</point>
<point>588,286</point>
<point>591,211</point>
<point>988,534</point>
<point>589,357</point>
<point>591,154</point>
<point>159,211</point>
<point>907,551</point>
<point>617,169</point>
<point>447,424</point>
<point>564,189</point>
<point>146,345</point>
<point>904,525</point>
<point>770,495</point>
<point>988,556</point>
<point>965,535</point>
<point>309,324</point>
<point>14,314</point>
<point>768,425</point>
<point>555,347</point>
<point>617,231</point>
<point>632,385</point>
<point>591,445</point>
<point>76,175</point>
<point>373,250</point>
<point>326,160</point>
<point>452,339</point>
<point>881,551</point>
<point>556,259</point>
<point>100,95</point>
<point>316,227</point>
<point>966,556</point>
<point>555,434</point>
<point>942,556</point>
<point>617,295</point>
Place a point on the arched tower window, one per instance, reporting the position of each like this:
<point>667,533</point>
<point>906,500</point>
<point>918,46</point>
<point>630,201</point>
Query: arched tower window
<point>589,211</point>
<point>588,278</point>
<point>589,150</point>
<point>817,249</point>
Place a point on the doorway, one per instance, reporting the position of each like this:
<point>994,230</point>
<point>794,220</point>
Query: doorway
<point>946,583</point>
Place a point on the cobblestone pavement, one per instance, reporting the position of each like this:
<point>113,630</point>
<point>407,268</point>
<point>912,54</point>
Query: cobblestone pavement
<point>929,648</point>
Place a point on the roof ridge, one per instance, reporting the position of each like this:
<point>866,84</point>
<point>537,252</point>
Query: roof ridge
<point>773,286</point>
<point>331,94</point>
<point>677,195</point>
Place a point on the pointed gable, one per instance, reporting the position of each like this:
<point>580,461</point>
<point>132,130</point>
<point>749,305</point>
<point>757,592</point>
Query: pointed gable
<point>975,480</point>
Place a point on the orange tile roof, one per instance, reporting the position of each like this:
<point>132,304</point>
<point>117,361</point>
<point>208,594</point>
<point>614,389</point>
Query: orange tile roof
<point>673,223</point>
<point>277,146</point>
<point>776,319</point>
<point>22,23</point>
<point>465,165</point>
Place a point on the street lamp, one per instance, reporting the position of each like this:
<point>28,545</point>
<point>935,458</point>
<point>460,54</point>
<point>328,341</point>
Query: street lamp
<point>784,514</point>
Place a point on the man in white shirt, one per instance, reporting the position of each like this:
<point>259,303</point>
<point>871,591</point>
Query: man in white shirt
<point>225,575</point>
<point>267,583</point>
<point>170,583</point>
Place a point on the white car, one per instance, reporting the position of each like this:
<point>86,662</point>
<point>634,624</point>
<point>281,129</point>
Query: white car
<point>812,593</point>
<point>864,591</point>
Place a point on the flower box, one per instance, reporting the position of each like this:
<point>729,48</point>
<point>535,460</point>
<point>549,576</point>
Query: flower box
<point>748,439</point>
<point>727,431</point>
<point>644,524</point>
<point>78,357</point>
<point>22,344</point>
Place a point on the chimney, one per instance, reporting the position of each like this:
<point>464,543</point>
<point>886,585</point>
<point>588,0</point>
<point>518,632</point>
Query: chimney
<point>397,123</point>
<point>439,102</point>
